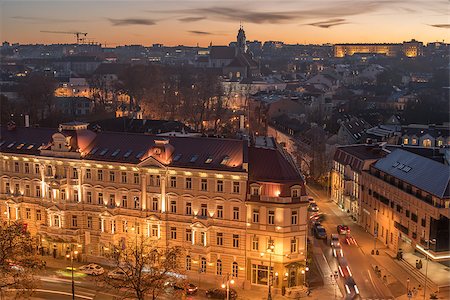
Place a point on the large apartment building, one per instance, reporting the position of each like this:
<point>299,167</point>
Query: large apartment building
<point>226,202</point>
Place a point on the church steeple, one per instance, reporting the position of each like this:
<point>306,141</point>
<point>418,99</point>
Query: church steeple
<point>241,46</point>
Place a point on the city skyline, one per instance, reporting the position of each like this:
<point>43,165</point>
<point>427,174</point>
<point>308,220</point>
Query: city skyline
<point>200,22</point>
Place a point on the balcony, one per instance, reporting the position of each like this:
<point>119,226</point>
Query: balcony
<point>259,198</point>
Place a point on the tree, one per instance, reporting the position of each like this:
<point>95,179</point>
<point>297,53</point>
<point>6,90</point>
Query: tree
<point>38,91</point>
<point>147,268</point>
<point>18,258</point>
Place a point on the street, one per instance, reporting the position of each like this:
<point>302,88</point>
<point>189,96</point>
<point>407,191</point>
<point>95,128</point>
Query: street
<point>361,264</point>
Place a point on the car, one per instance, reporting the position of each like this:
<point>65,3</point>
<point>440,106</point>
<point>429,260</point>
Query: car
<point>343,229</point>
<point>92,269</point>
<point>221,294</point>
<point>189,287</point>
<point>335,240</point>
<point>313,207</point>
<point>320,232</point>
<point>311,199</point>
<point>317,217</point>
<point>119,274</point>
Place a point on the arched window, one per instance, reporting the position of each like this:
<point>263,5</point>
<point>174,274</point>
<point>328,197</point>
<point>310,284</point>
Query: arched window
<point>188,263</point>
<point>235,269</point>
<point>219,267</point>
<point>203,265</point>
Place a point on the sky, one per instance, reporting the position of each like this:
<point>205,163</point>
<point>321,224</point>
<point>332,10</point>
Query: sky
<point>186,22</point>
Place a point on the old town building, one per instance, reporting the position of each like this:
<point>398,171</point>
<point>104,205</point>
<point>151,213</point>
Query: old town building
<point>234,206</point>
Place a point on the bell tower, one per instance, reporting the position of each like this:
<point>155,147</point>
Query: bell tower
<point>241,45</point>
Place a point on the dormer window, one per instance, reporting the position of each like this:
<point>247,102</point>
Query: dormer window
<point>255,190</point>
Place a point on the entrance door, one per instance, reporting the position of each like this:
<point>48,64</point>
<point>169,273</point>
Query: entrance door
<point>292,278</point>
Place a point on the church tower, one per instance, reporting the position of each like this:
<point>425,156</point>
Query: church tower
<point>241,46</point>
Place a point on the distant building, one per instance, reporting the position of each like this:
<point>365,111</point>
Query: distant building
<point>425,135</point>
<point>352,131</point>
<point>73,106</point>
<point>412,48</point>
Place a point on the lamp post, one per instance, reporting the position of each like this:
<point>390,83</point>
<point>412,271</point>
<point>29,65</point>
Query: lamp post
<point>433,241</point>
<point>304,275</point>
<point>375,232</point>
<point>270,250</point>
<point>72,253</point>
<point>408,292</point>
<point>227,285</point>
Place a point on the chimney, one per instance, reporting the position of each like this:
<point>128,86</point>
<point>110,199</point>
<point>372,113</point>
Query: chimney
<point>27,120</point>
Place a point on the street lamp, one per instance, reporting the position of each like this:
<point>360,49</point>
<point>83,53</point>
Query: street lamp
<point>303,271</point>
<point>227,285</point>
<point>375,232</point>
<point>72,253</point>
<point>270,250</point>
<point>433,241</point>
<point>334,276</point>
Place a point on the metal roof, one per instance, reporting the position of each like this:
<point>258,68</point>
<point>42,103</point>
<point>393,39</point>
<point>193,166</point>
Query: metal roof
<point>421,172</point>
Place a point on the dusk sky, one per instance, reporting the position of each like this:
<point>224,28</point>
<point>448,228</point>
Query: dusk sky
<point>191,22</point>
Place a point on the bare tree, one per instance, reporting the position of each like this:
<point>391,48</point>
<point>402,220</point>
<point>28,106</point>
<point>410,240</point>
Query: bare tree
<point>18,259</point>
<point>146,268</point>
<point>38,92</point>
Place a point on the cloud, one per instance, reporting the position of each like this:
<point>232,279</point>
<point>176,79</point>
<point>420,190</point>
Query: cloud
<point>131,21</point>
<point>44,20</point>
<point>191,19</point>
<point>329,23</point>
<point>440,25</point>
<point>200,32</point>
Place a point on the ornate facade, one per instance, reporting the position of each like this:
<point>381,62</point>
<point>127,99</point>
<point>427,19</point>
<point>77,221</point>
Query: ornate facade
<point>222,200</point>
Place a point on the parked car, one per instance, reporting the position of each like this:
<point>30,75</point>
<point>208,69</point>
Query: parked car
<point>92,269</point>
<point>313,207</point>
<point>190,287</point>
<point>320,232</point>
<point>311,199</point>
<point>343,229</point>
<point>221,294</point>
<point>118,274</point>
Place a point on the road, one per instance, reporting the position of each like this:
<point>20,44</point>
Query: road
<point>361,264</point>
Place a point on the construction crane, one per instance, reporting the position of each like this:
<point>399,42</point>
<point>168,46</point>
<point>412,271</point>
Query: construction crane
<point>76,33</point>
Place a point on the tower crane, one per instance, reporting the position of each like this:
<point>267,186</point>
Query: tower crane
<point>79,35</point>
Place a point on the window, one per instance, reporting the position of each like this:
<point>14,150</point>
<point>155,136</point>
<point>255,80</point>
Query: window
<point>188,263</point>
<point>112,176</point>
<point>38,191</point>
<point>27,168</point>
<point>155,204</point>
<point>74,173</point>
<point>38,215</point>
<point>56,221</point>
<point>37,169</point>
<point>204,185</point>
<point>124,201</point>
<point>294,217</point>
<point>173,182</point>
<point>124,177</point>
<point>99,175</point>
<point>203,238</point>
<point>16,167</point>
<point>293,245</point>
<point>220,186</point>
<point>89,222</point>
<point>188,235</point>
<point>28,213</point>
<point>235,240</point>
<point>155,180</point>
<point>219,267</point>
<point>255,216</point>
<point>255,243</point>
<point>75,195</point>
<point>236,187</point>
<point>188,183</point>
<point>173,233</point>
<point>271,216</point>
<point>203,265</point>
<point>74,221</point>
<point>235,270</point>
<point>235,213</point>
<point>255,190</point>
<point>405,141</point>
<point>88,174</point>
<point>188,208</point>
<point>7,188</point>
<point>219,211</point>
<point>295,193</point>
<point>124,226</point>
<point>89,197</point>
<point>414,141</point>
<point>137,202</point>
<point>27,190</point>
<point>203,210</point>
<point>173,206</point>
<point>219,239</point>
<point>100,198</point>
<point>112,200</point>
<point>136,178</point>
<point>155,231</point>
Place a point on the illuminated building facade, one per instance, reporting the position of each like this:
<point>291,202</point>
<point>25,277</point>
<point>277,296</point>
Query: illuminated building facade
<point>222,200</point>
<point>411,48</point>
